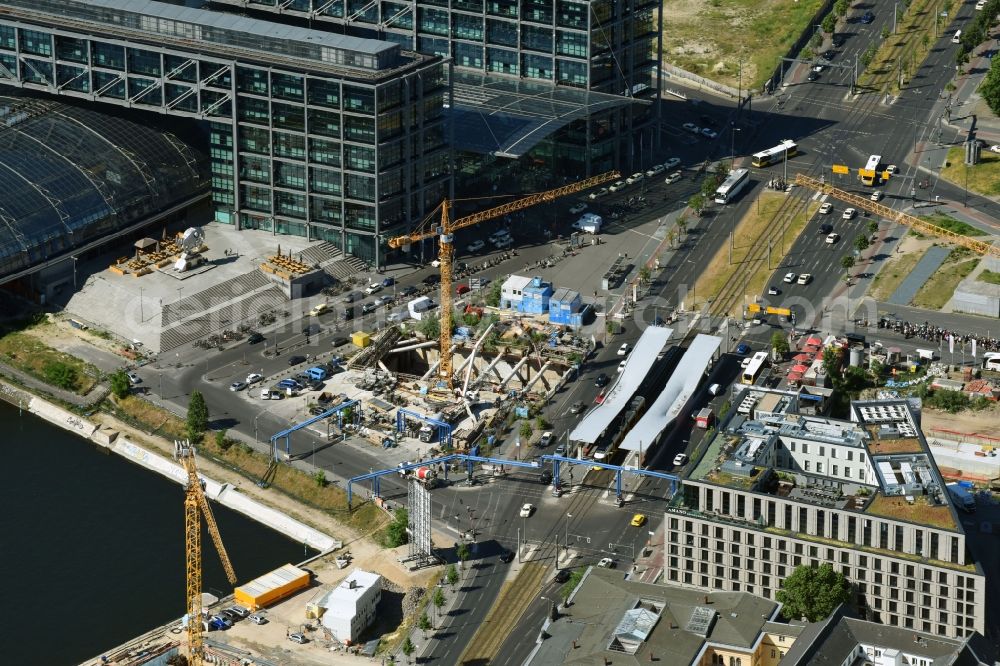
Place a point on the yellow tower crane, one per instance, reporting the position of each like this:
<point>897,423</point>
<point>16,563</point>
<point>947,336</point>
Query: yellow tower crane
<point>445,232</point>
<point>195,506</point>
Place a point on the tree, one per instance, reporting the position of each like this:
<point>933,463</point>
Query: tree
<point>861,243</point>
<point>816,40</point>
<point>120,385</point>
<point>462,552</point>
<point>645,274</point>
<point>408,648</point>
<point>873,227</point>
<point>847,262</point>
<point>829,24</point>
<point>424,623</point>
<point>430,326</point>
<point>525,430</point>
<point>813,592</point>
<point>885,31</point>
<point>197,417</point>
<point>493,297</point>
<point>438,600</point>
<point>682,223</point>
<point>868,56</point>
<point>320,478</point>
<point>452,575</point>
<point>840,7</point>
<point>697,204</point>
<point>990,88</point>
<point>395,532</point>
<point>778,343</point>
<point>832,357</point>
<point>876,368</point>
<point>60,374</point>
<point>222,441</point>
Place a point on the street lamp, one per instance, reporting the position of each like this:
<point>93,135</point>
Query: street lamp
<point>694,287</point>
<point>566,542</point>
<point>732,140</point>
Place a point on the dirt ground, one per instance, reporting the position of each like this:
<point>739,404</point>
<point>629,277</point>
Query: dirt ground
<point>985,422</point>
<point>58,334</point>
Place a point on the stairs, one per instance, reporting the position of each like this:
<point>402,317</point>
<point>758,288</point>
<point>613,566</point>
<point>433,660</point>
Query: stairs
<point>213,296</point>
<point>230,315</point>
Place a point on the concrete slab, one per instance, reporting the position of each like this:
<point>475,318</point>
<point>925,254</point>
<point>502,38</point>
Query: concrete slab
<point>929,263</point>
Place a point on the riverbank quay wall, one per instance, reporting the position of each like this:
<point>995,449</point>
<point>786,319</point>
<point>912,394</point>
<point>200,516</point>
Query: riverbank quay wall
<point>223,493</point>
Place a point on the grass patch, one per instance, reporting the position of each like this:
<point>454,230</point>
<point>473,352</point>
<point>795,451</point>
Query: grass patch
<point>753,231</point>
<point>941,285</point>
<point>949,223</point>
<point>983,178</point>
<point>989,277</point>
<point>149,417</point>
<point>756,33</point>
<point>919,512</point>
<point>894,272</point>
<point>909,46</point>
<point>28,353</point>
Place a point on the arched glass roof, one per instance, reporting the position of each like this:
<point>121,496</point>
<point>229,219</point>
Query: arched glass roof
<point>69,175</point>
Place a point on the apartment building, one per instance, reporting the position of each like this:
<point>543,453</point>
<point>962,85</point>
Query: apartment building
<point>776,489</point>
<point>311,133</point>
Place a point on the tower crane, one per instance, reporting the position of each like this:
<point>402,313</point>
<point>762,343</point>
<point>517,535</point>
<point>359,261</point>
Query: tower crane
<point>445,231</point>
<point>195,506</point>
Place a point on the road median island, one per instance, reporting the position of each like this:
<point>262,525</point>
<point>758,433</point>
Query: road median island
<point>982,178</point>
<point>511,602</point>
<point>910,251</point>
<point>761,225</point>
<point>903,52</point>
<point>940,287</point>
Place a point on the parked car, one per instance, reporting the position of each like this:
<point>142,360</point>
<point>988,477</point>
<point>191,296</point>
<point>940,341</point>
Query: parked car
<point>867,17</point>
<point>891,169</point>
<point>237,386</point>
<point>601,381</point>
<point>671,163</point>
<point>133,378</point>
<point>475,246</point>
<point>258,618</point>
<point>655,170</point>
<point>618,186</point>
<point>691,127</point>
<point>680,460</point>
<point>709,133</point>
<point>813,75</point>
<point>838,41</point>
<point>607,563</point>
<point>295,360</point>
<point>829,55</point>
<point>368,308</point>
<point>673,178</point>
<point>635,178</point>
<point>577,407</point>
<point>296,637</point>
<point>995,148</point>
<point>408,291</point>
<point>254,377</point>
<point>562,576</point>
<point>506,556</point>
<point>373,288</point>
<point>773,291</point>
<point>825,228</point>
<point>462,289</point>
<point>577,208</point>
<point>546,439</point>
<point>255,337</point>
<point>743,349</point>
<point>624,349</point>
<point>560,450</point>
<point>597,194</point>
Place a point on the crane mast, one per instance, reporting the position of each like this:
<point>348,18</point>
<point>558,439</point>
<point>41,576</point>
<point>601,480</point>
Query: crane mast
<point>445,232</point>
<point>196,506</point>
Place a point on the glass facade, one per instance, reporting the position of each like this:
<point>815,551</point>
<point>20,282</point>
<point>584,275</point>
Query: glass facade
<point>347,156</point>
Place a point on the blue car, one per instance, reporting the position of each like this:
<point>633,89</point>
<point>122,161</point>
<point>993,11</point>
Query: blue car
<point>289,383</point>
<point>388,282</point>
<point>743,349</point>
<point>867,18</point>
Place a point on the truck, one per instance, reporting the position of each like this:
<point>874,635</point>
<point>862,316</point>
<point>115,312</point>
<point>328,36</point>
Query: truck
<point>427,432</point>
<point>418,306</point>
<point>962,498</point>
<point>424,475</point>
<point>705,418</point>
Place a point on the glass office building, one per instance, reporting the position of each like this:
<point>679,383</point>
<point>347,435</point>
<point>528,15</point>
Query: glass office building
<point>313,134</point>
<point>569,84</point>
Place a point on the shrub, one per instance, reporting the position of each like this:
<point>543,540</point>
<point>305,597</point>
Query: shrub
<point>61,374</point>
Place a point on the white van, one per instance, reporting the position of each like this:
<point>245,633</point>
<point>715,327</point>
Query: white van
<point>957,38</point>
<point>589,223</point>
<point>418,306</point>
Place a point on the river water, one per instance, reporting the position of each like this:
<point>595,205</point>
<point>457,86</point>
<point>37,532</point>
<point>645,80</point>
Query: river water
<point>92,546</point>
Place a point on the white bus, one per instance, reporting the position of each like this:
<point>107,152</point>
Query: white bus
<point>991,361</point>
<point>869,175</point>
<point>753,370</point>
<point>736,181</point>
<point>779,153</point>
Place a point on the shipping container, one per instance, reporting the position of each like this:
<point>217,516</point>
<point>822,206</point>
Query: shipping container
<point>272,587</point>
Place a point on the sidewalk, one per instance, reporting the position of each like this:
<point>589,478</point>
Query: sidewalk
<point>649,568</point>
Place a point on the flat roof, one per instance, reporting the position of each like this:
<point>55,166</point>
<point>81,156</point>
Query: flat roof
<point>652,342</point>
<point>498,115</point>
<point>675,395</point>
<point>199,25</point>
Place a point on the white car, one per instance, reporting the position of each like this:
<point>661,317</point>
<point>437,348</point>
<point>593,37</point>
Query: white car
<point>671,163</point>
<point>745,362</point>
<point>849,213</point>
<point>673,178</point>
<point>876,195</point>
<point>618,186</point>
<point>254,377</point>
<point>680,459</point>
<point>635,178</point>
<point>805,278</point>
<point>621,366</point>
<point>892,168</point>
<point>656,170</point>
<point>603,192</point>
<point>995,148</point>
<point>832,238</point>
<point>546,439</point>
<point>527,510</point>
<point>373,288</point>
<point>818,68</point>
<point>475,246</point>
<point>709,133</point>
<point>133,378</point>
<point>606,563</point>
<point>578,208</point>
<point>773,291</point>
<point>826,208</point>
<point>691,127</point>
<point>790,278</point>
<point>623,349</point>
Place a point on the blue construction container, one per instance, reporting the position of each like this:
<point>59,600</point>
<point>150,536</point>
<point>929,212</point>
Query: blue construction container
<point>535,297</point>
<point>565,307</point>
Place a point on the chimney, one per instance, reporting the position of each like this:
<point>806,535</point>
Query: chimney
<point>352,583</point>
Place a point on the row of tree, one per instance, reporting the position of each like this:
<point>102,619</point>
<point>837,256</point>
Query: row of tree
<point>977,31</point>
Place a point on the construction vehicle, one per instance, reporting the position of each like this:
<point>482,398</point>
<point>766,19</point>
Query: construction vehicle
<point>195,507</point>
<point>865,203</point>
<point>424,475</point>
<point>445,232</point>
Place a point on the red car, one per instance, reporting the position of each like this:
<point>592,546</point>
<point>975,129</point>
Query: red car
<point>462,289</point>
